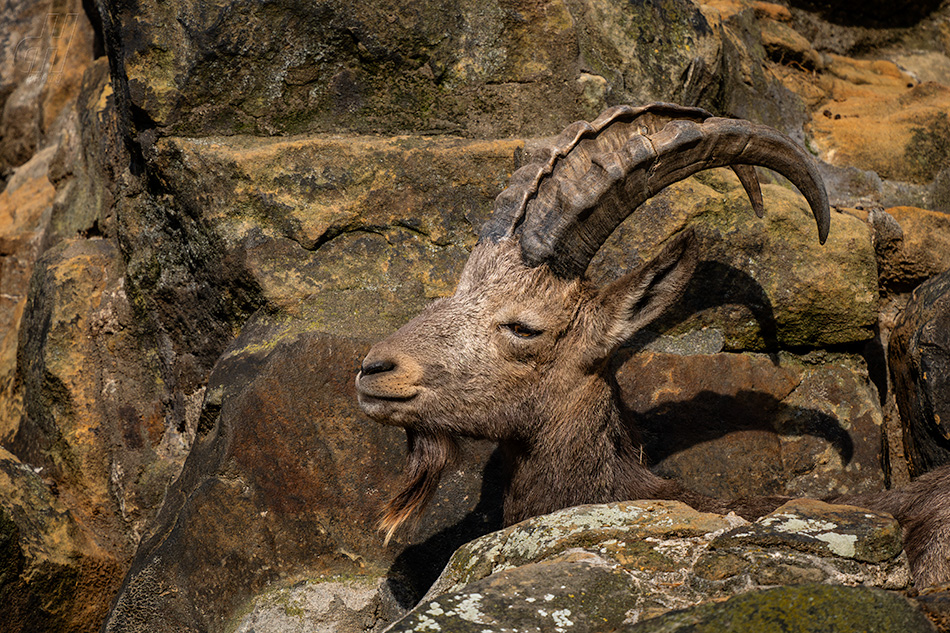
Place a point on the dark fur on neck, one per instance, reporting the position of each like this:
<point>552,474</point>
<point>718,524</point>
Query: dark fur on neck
<point>427,458</point>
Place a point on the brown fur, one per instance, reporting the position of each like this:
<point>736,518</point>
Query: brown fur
<point>427,458</point>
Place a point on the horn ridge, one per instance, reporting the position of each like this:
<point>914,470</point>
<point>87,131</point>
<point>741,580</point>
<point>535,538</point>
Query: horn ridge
<point>591,183</point>
<point>526,182</point>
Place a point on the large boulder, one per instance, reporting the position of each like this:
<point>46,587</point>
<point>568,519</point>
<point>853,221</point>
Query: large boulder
<point>53,574</point>
<point>806,608</point>
<point>920,363</point>
<point>764,284</point>
<point>44,52</point>
<point>604,567</point>
<point>283,485</point>
<point>920,250</point>
<point>92,412</point>
<point>741,425</point>
<point>290,67</point>
<point>25,206</point>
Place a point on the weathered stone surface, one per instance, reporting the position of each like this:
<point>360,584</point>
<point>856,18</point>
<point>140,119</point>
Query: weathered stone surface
<point>814,526</point>
<point>277,488</point>
<point>922,251</point>
<point>44,51</point>
<point>92,416</point>
<point>741,425</point>
<point>367,67</point>
<point>765,283</point>
<point>869,96</point>
<point>573,592</point>
<point>751,89</point>
<point>53,576</point>
<point>919,354</point>
<point>603,566</point>
<point>806,608</point>
<point>785,45</point>
<point>332,605</point>
<point>586,527</point>
<point>651,51</point>
<point>369,229</point>
<point>25,206</point>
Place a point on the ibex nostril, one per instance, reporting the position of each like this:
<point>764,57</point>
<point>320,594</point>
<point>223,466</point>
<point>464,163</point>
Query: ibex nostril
<point>377,367</point>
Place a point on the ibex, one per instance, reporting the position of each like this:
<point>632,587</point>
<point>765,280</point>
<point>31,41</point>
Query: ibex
<point>520,354</point>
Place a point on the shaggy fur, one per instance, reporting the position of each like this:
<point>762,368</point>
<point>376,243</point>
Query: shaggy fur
<point>427,458</point>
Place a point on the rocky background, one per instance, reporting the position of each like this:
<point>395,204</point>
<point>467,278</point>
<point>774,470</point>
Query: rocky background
<point>209,211</point>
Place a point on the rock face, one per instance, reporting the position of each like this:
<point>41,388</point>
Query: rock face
<point>606,567</point>
<point>736,425</point>
<point>920,361</point>
<point>208,213</point>
<point>275,488</point>
<point>803,608</point>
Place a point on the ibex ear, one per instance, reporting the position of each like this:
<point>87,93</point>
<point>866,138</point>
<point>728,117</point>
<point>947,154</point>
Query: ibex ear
<point>633,301</point>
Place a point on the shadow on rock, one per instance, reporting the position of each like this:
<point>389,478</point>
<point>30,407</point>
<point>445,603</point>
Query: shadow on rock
<point>418,566</point>
<point>735,445</point>
<point>722,295</point>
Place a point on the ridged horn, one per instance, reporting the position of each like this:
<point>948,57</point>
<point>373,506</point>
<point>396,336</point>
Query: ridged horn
<point>564,206</point>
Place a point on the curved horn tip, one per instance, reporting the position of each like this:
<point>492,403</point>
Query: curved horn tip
<point>823,229</point>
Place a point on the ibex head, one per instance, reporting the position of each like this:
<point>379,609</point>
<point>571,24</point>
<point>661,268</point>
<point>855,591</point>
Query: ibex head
<point>519,353</point>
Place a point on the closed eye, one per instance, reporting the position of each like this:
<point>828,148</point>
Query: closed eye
<point>521,330</point>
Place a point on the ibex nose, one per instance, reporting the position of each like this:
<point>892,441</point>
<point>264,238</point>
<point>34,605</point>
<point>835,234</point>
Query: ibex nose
<point>376,367</point>
<point>388,375</point>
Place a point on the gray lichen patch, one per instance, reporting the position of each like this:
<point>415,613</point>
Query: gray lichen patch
<point>327,604</point>
<point>587,527</point>
<point>575,592</point>
<point>824,529</point>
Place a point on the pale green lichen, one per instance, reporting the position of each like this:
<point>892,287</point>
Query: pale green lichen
<point>841,544</point>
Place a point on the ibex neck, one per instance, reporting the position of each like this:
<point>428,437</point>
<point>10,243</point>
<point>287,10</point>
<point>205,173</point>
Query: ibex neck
<point>582,453</point>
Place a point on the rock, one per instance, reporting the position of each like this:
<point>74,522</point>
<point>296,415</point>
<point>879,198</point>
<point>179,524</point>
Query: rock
<point>922,251</point>
<point>784,45</point>
<point>873,95</point>
<point>813,526</point>
<point>766,284</point>
<point>651,51</point>
<point>92,417</point>
<point>587,527</point>
<point>610,566</point>
<point>327,604</point>
<point>25,206</point>
<point>751,89</point>
<point>344,67</point>
<point>369,229</point>
<point>919,355</point>
<point>277,489</point>
<point>53,576</point>
<point>570,593</point>
<point>875,13</point>
<point>43,55</point>
<point>742,425</point>
<point>807,608</point>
